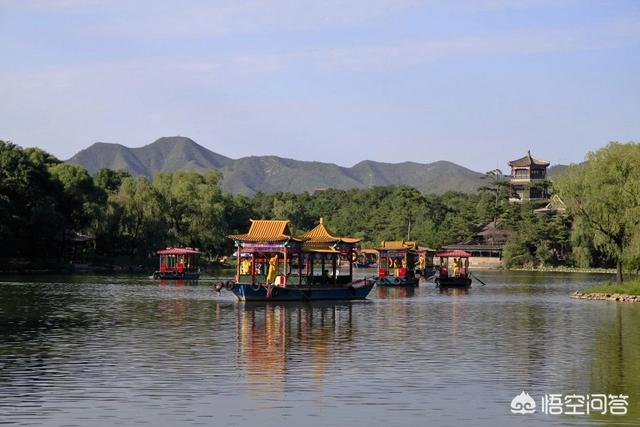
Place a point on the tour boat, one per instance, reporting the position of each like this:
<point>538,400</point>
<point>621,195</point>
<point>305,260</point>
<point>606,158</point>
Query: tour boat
<point>178,264</point>
<point>396,263</point>
<point>456,273</point>
<point>284,267</point>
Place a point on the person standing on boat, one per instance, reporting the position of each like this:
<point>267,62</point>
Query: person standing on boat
<point>422,264</point>
<point>396,268</point>
<point>457,264</point>
<point>245,267</point>
<point>273,269</point>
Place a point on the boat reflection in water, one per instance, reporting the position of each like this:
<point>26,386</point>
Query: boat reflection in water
<point>270,334</point>
<point>178,282</point>
<point>387,292</point>
<point>453,291</point>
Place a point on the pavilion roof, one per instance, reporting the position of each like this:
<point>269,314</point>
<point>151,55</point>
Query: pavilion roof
<point>528,160</point>
<point>266,230</point>
<point>555,205</point>
<point>321,234</point>
<point>398,245</point>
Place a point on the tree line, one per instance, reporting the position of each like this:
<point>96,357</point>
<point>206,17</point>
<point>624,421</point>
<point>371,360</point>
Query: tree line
<point>45,204</point>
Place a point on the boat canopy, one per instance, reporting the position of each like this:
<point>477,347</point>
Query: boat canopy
<point>398,245</point>
<point>456,254</point>
<point>179,251</point>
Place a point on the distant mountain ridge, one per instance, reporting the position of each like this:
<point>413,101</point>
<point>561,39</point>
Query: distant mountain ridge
<point>269,174</point>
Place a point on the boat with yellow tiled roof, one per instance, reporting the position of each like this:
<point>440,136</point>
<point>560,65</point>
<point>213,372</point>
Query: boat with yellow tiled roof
<point>396,263</point>
<point>275,265</point>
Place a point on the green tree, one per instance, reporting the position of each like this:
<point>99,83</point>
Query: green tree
<point>29,217</point>
<point>195,209</point>
<point>604,193</point>
<point>498,187</point>
<point>109,180</point>
<point>79,196</point>
<point>136,210</point>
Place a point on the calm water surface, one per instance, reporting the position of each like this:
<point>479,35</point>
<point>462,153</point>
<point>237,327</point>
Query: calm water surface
<point>100,351</point>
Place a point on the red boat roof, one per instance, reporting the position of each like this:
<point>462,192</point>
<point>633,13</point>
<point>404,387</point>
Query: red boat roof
<point>456,253</point>
<point>178,251</point>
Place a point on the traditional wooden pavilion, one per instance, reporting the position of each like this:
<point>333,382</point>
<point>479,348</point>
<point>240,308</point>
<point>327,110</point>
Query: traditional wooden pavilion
<point>529,178</point>
<point>322,246</point>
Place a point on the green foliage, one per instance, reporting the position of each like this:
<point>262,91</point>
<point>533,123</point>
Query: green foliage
<point>604,194</point>
<point>134,215</point>
<point>629,288</point>
<point>497,188</point>
<point>43,200</point>
<point>29,215</point>
<point>109,180</point>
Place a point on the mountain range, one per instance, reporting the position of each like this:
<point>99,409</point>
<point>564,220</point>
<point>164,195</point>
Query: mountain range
<point>269,174</point>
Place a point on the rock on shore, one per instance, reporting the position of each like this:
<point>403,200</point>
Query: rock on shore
<point>606,296</point>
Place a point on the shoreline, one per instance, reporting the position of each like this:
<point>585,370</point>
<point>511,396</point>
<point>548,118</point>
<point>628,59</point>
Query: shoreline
<point>605,296</point>
<point>565,270</point>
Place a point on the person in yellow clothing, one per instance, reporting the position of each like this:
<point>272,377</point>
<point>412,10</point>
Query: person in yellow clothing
<point>422,264</point>
<point>396,268</point>
<point>245,266</point>
<point>273,269</point>
<point>457,265</point>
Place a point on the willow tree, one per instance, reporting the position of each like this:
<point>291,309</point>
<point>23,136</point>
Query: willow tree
<point>603,194</point>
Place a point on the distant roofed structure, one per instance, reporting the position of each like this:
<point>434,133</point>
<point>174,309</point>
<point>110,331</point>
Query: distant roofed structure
<point>487,243</point>
<point>554,207</point>
<point>528,179</point>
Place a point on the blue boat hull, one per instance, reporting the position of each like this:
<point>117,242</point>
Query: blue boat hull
<point>354,291</point>
<point>397,281</point>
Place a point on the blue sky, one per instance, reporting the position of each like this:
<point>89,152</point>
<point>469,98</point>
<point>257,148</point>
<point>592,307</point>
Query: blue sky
<point>474,82</point>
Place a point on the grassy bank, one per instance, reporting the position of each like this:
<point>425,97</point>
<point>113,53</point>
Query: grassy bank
<point>628,288</point>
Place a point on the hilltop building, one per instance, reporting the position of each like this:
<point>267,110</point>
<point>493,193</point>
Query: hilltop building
<point>529,179</point>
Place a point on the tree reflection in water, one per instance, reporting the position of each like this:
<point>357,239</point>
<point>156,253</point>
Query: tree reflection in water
<point>616,358</point>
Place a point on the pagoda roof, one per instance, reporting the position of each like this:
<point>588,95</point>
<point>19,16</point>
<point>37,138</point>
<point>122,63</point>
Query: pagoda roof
<point>555,205</point>
<point>528,160</point>
<point>396,245</point>
<point>266,230</point>
<point>321,234</point>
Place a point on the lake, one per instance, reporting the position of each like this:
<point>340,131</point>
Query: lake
<point>104,350</point>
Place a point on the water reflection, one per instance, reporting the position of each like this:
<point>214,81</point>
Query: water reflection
<point>178,283</point>
<point>122,350</point>
<point>615,367</point>
<point>453,291</point>
<point>388,292</point>
<point>276,341</point>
